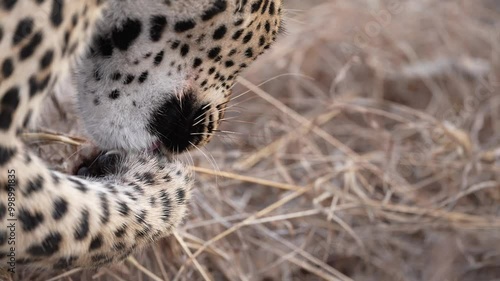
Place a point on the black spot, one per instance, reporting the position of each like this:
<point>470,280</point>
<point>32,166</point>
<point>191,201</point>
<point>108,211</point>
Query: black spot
<point>175,44</point>
<point>8,4</point>
<point>229,63</point>
<point>137,188</point>
<point>264,7</point>
<point>6,153</point>
<point>256,6</point>
<point>249,53</point>
<point>218,7</point>
<point>146,178</point>
<point>181,196</point>
<point>66,39</point>
<point>123,208</point>
<point>105,208</point>
<point>35,86</point>
<point>237,34</point>
<point>65,263</point>
<point>214,52</point>
<point>129,79</point>
<point>141,218</point>
<point>46,59</point>
<point>74,19</point>
<point>56,14</point>
<point>125,35</point>
<point>183,26</point>
<point>262,41</point>
<point>101,259</point>
<point>142,232</point>
<point>267,26</point>
<point>220,32</point>
<point>30,48</point>
<point>272,9</point>
<point>49,246</point>
<point>45,82</point>
<point>30,221</point>
<point>116,76</point>
<point>11,98</point>
<point>152,201</point>
<point>7,67</point>
<point>114,94</point>
<point>33,186</point>
<point>23,29</point>
<point>131,196</point>
<point>78,184</point>
<point>119,246</point>
<point>121,231</point>
<point>96,243</point>
<point>82,229</point>
<point>184,50</point>
<point>247,37</point>
<point>158,58</point>
<point>166,205</point>
<point>143,77</point>
<point>60,208</point>
<point>111,188</point>
<point>104,45</point>
<point>238,22</point>
<point>158,23</point>
<point>197,62</point>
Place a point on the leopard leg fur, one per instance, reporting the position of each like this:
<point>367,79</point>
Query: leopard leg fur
<point>44,226</point>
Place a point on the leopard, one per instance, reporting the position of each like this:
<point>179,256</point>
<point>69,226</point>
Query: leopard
<point>153,79</point>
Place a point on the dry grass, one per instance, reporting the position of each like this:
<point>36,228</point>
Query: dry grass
<point>372,152</point>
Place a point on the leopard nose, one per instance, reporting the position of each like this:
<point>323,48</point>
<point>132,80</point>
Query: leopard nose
<point>181,123</point>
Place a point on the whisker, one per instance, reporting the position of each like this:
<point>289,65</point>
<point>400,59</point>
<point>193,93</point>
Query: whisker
<point>237,121</point>
<point>238,96</point>
<point>276,77</point>
<point>191,157</point>
<point>228,132</point>
<point>202,134</point>
<point>197,123</point>
<point>200,116</point>
<point>74,153</point>
<point>240,102</point>
<point>214,163</point>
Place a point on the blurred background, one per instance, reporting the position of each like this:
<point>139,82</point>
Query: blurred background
<point>365,145</point>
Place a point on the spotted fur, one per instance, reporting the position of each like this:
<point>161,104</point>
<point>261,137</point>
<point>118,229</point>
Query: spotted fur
<point>149,73</point>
